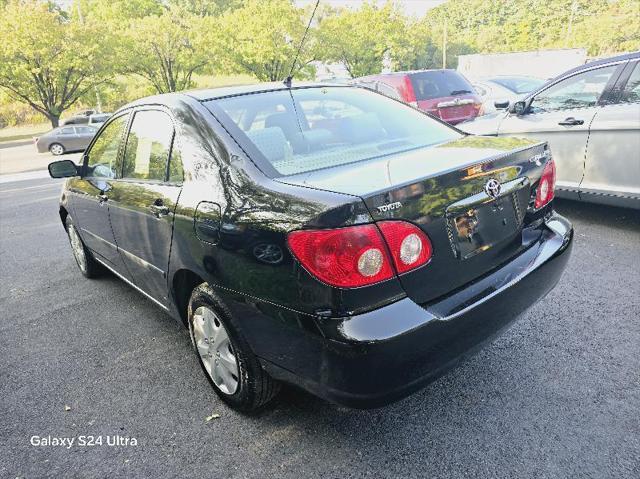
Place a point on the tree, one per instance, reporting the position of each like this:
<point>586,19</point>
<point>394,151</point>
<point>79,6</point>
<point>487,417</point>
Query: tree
<point>204,8</point>
<point>261,38</point>
<point>48,61</point>
<point>361,39</point>
<point>167,49</point>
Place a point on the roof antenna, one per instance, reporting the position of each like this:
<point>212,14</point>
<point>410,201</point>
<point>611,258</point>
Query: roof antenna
<point>288,80</point>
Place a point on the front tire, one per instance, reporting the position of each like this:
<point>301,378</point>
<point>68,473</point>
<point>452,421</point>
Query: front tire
<point>56,149</point>
<point>224,354</point>
<point>89,267</point>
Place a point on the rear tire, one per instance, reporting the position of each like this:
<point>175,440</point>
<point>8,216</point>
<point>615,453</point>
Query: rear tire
<point>89,267</point>
<point>233,370</point>
<point>56,149</point>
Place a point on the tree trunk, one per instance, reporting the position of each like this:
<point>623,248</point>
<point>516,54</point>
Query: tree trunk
<point>54,119</point>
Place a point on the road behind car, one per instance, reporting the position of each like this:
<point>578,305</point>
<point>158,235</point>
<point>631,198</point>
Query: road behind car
<point>558,395</point>
<point>23,157</point>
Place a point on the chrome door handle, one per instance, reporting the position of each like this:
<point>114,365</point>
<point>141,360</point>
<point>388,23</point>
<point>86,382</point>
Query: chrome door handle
<point>571,121</point>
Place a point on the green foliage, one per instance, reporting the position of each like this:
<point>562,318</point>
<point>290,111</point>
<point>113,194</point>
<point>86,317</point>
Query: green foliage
<point>47,61</point>
<point>167,49</point>
<point>600,26</point>
<point>261,38</point>
<point>361,39</point>
<point>204,8</point>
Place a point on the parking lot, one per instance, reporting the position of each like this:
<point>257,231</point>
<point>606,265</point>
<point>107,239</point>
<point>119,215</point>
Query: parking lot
<point>558,395</point>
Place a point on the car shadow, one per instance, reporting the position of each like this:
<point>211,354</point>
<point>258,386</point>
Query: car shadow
<point>610,216</point>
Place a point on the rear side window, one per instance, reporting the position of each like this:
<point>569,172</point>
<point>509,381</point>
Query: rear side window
<point>102,157</point>
<point>438,84</point>
<point>67,131</point>
<point>312,128</point>
<point>631,92</point>
<point>389,91</point>
<point>148,146</point>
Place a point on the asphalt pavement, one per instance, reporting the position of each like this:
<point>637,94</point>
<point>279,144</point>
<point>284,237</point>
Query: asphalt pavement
<point>558,395</point>
<point>21,156</point>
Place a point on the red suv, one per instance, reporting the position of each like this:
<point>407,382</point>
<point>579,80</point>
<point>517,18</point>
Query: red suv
<point>445,94</point>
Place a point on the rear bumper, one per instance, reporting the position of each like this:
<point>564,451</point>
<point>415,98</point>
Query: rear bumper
<point>375,358</point>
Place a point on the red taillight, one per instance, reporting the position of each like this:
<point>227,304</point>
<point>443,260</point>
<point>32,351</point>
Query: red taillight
<point>344,257</point>
<point>409,246</point>
<point>547,185</point>
<point>358,255</point>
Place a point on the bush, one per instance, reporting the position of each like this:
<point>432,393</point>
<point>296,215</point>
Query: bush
<point>14,114</point>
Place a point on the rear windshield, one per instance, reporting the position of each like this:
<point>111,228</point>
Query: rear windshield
<point>519,85</point>
<point>438,84</point>
<point>307,129</point>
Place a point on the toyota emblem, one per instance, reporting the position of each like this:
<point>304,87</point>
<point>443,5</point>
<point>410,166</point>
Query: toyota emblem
<point>492,188</point>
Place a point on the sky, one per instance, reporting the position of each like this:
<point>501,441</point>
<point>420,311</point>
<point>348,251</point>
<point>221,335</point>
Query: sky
<point>415,8</point>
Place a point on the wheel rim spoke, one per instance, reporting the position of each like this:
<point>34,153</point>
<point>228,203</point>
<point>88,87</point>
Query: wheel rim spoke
<point>214,348</point>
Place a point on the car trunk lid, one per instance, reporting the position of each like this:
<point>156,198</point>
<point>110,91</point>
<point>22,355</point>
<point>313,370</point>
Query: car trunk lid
<point>452,109</point>
<point>445,190</point>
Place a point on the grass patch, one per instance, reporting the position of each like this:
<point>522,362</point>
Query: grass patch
<point>23,132</point>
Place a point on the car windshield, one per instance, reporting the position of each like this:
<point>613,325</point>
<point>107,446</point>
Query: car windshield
<point>519,85</point>
<point>306,129</point>
<point>438,84</point>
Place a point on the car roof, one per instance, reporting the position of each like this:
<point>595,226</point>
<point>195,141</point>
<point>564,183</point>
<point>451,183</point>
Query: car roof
<point>221,92</point>
<point>601,61</point>
<point>407,72</point>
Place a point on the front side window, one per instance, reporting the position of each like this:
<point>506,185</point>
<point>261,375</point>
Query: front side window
<point>312,128</point>
<point>579,91</point>
<point>148,146</point>
<point>67,131</point>
<point>631,92</point>
<point>102,156</point>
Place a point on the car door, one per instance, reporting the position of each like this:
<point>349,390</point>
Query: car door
<point>85,135</point>
<point>90,193</point>
<point>612,165</point>
<point>143,200</point>
<point>561,114</point>
<point>66,136</point>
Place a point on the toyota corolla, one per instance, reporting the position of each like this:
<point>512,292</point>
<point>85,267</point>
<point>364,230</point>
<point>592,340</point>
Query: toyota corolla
<point>323,236</point>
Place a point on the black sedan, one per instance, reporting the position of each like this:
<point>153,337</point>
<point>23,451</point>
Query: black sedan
<point>323,236</point>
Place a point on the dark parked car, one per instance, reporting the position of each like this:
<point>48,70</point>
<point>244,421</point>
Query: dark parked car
<point>408,243</point>
<point>65,139</point>
<point>80,118</point>
<point>97,119</point>
<point>445,94</point>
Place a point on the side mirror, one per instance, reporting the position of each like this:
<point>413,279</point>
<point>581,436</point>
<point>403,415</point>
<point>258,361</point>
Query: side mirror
<point>63,169</point>
<point>501,104</point>
<point>519,108</point>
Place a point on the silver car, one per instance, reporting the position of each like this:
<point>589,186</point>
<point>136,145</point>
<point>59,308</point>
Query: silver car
<point>499,92</point>
<point>65,138</point>
<point>590,116</point>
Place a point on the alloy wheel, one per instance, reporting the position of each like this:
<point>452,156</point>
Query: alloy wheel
<point>215,349</point>
<point>56,149</point>
<point>78,248</point>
